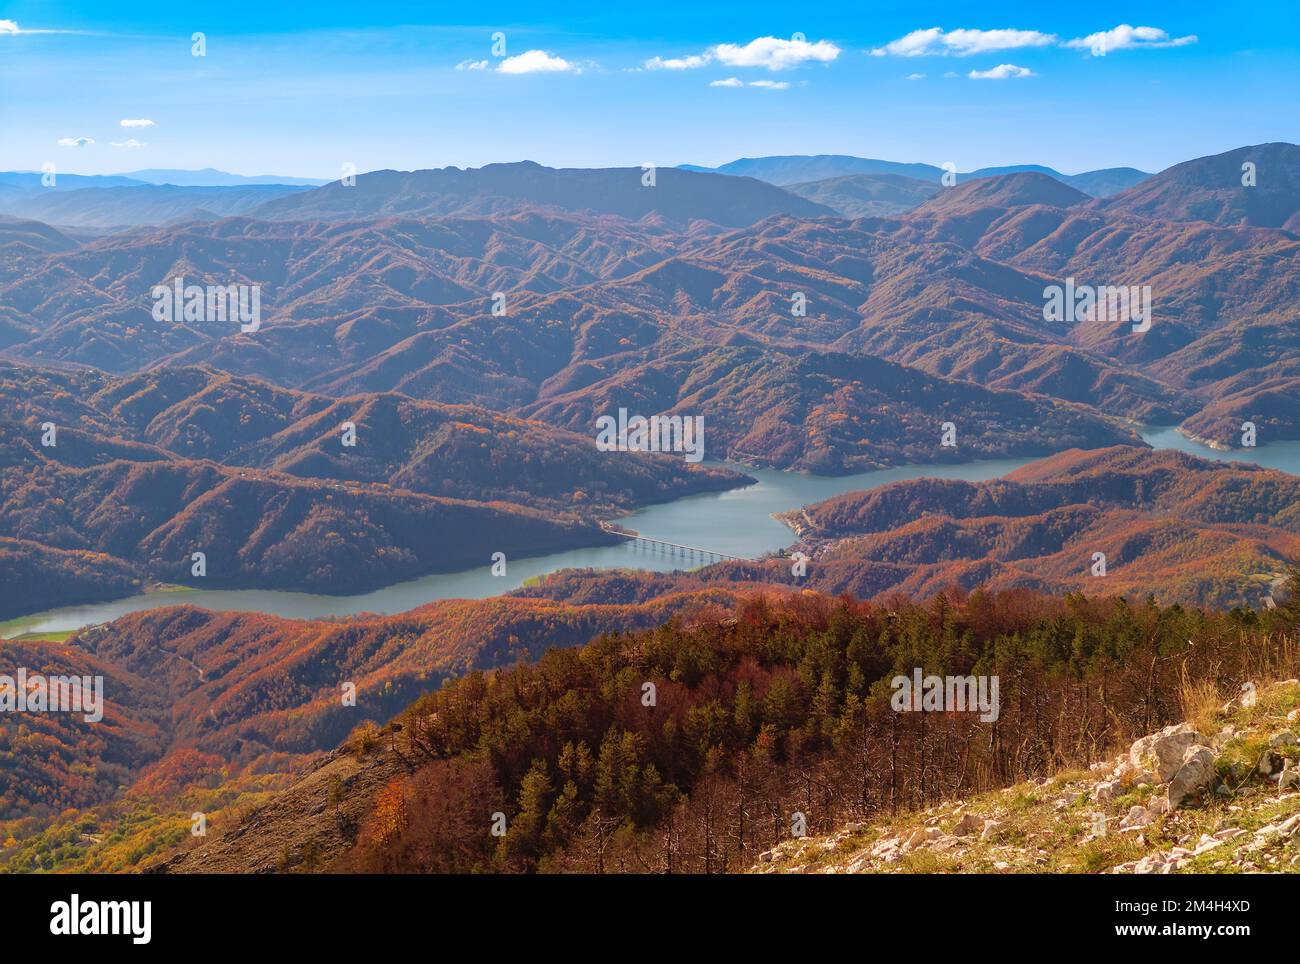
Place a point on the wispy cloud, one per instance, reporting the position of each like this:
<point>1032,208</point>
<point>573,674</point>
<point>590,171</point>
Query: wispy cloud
<point>771,53</point>
<point>136,122</point>
<point>130,142</point>
<point>962,43</point>
<point>1126,37</point>
<point>472,65</point>
<point>916,76</point>
<point>75,141</point>
<point>935,41</point>
<point>536,62</point>
<point>678,63</point>
<point>1002,72</point>
<point>763,84</point>
<point>10,28</point>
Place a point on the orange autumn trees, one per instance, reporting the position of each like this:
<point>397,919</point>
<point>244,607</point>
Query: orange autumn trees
<point>783,710</point>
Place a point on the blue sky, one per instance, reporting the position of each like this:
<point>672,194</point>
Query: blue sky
<point>302,88</point>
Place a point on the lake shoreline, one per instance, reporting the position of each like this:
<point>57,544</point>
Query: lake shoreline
<point>749,521</point>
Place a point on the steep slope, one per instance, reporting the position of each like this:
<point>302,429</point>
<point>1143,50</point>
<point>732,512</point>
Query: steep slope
<point>955,287</point>
<point>50,761</point>
<point>191,696</point>
<point>774,716</point>
<point>1212,189</point>
<point>329,293</point>
<point>1107,181</point>
<point>37,577</point>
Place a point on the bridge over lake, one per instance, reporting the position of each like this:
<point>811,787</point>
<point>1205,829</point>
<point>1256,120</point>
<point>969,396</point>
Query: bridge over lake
<point>648,544</point>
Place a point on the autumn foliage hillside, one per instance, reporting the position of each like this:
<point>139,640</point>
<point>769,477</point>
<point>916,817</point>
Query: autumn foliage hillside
<point>1186,529</point>
<point>782,707</point>
<point>148,469</point>
<point>188,688</point>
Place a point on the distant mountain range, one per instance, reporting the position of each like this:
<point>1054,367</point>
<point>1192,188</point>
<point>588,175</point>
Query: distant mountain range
<point>126,206</point>
<point>207,177</point>
<point>674,196</point>
<point>210,177</point>
<point>821,183</point>
<point>797,169</point>
<point>118,201</point>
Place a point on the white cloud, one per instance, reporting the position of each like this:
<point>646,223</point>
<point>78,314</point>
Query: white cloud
<point>472,65</point>
<point>130,142</point>
<point>737,82</point>
<point>75,141</point>
<point>10,28</point>
<point>679,63</point>
<point>1126,37</point>
<point>536,62</point>
<point>1002,72</point>
<point>916,76</point>
<point>962,42</point>
<point>770,52</point>
<point>137,122</point>
<point>776,54</point>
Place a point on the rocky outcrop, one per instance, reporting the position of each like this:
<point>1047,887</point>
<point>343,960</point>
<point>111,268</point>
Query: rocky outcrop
<point>1228,802</point>
<point>1162,753</point>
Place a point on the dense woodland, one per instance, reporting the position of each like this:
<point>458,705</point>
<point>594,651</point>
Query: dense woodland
<point>781,707</point>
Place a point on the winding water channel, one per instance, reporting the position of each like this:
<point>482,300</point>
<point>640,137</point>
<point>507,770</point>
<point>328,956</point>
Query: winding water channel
<point>738,522</point>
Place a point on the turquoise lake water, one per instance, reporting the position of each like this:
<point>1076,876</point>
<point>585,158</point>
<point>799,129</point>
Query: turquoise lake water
<point>738,523</point>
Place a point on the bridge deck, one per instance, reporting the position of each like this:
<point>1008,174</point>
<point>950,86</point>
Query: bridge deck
<point>650,541</point>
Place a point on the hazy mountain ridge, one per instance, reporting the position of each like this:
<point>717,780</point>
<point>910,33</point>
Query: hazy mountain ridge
<point>676,196</point>
<point>797,169</point>
<point>142,204</point>
<point>867,195</point>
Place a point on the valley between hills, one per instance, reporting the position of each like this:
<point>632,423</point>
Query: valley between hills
<point>470,327</point>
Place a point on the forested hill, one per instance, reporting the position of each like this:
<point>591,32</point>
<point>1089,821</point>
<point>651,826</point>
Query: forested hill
<point>779,707</point>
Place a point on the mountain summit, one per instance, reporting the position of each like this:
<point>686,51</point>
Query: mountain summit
<point>1214,189</point>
